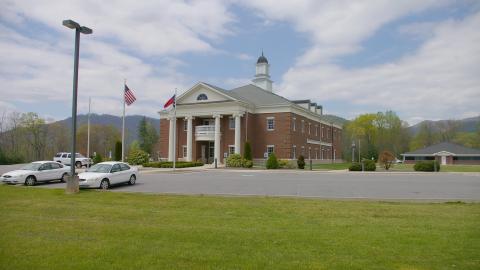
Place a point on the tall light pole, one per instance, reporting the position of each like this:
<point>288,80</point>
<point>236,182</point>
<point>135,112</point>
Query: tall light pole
<point>353,151</point>
<point>72,182</point>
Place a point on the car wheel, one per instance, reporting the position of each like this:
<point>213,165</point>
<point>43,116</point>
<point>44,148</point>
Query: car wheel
<point>133,179</point>
<point>104,185</point>
<point>78,164</point>
<point>64,178</point>
<point>30,181</point>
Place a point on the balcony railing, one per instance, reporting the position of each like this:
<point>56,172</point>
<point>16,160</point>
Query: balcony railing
<point>205,133</point>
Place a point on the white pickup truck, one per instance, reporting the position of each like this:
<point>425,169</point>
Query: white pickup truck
<point>65,158</point>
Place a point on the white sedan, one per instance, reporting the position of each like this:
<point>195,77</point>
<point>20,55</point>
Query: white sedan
<point>38,171</point>
<point>105,174</point>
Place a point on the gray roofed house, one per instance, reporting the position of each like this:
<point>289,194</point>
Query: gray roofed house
<point>446,153</point>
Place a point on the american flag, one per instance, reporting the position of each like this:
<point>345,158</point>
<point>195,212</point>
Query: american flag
<point>129,97</point>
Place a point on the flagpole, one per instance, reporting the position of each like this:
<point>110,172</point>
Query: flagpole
<point>123,119</point>
<point>174,128</point>
<point>88,129</point>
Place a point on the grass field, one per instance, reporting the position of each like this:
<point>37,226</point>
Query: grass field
<point>45,229</point>
<point>443,168</point>
<point>329,166</point>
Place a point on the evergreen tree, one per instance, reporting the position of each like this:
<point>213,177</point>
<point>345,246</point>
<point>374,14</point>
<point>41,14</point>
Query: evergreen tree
<point>247,151</point>
<point>147,135</point>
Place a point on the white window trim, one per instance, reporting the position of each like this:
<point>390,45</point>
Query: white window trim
<point>184,151</point>
<point>309,128</point>
<point>303,126</point>
<point>271,146</point>
<point>231,120</point>
<point>316,130</point>
<point>230,146</point>
<point>294,151</point>
<point>273,123</point>
<point>294,124</point>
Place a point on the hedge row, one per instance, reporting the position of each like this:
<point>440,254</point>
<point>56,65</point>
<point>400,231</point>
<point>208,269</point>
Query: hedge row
<point>427,166</point>
<point>236,161</point>
<point>369,165</point>
<point>169,164</point>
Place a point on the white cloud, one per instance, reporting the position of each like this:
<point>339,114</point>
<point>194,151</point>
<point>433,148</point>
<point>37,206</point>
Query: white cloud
<point>440,80</point>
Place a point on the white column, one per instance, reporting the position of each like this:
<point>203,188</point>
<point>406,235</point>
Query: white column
<point>217,137</point>
<point>189,137</point>
<point>170,140</point>
<point>237,133</point>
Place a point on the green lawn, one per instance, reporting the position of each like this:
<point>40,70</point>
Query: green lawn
<point>443,168</point>
<point>46,229</point>
<point>328,166</point>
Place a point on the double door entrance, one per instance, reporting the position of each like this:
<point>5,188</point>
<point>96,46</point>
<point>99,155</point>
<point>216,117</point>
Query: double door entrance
<point>207,150</point>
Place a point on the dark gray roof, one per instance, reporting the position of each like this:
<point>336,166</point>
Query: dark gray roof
<point>262,59</point>
<point>259,97</point>
<point>453,148</point>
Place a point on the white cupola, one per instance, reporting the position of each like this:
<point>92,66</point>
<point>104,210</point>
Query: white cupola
<point>262,74</point>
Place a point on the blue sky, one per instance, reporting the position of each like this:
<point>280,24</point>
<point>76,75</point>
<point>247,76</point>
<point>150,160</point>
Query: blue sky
<point>418,58</point>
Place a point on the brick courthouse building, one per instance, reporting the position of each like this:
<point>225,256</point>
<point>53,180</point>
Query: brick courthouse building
<point>212,123</point>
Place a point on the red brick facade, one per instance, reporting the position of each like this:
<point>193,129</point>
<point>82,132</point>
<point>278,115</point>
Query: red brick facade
<point>286,136</point>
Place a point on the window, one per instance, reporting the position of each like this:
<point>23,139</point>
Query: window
<point>323,135</point>
<point>231,123</point>
<point>116,168</point>
<point>309,128</point>
<point>231,149</point>
<point>270,149</point>
<point>58,155</point>
<point>55,166</point>
<point>316,153</point>
<point>294,152</point>
<point>184,148</point>
<point>64,155</point>
<point>309,153</point>
<point>328,133</point>
<point>294,124</point>
<point>185,124</point>
<point>303,151</point>
<point>270,123</point>
<point>303,126</point>
<point>124,167</point>
<point>316,130</point>
<point>202,97</point>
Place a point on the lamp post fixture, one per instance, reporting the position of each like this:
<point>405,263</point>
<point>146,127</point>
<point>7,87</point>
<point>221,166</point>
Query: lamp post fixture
<point>72,182</point>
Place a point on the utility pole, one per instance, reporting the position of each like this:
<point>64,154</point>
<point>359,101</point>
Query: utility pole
<point>88,128</point>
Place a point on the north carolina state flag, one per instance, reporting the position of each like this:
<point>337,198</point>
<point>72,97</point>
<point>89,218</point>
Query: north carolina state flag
<point>170,102</point>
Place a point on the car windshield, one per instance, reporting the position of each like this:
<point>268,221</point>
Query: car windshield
<point>101,168</point>
<point>31,167</point>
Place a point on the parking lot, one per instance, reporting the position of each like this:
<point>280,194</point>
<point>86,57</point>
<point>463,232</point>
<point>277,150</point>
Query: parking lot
<point>330,185</point>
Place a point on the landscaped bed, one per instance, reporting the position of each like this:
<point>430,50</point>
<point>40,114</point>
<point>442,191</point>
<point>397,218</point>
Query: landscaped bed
<point>46,229</point>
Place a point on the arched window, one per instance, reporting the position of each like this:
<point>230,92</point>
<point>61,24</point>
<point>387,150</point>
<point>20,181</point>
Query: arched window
<point>202,97</point>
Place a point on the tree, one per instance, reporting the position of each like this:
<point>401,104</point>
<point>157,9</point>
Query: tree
<point>147,135</point>
<point>35,132</point>
<point>247,151</point>
<point>425,137</point>
<point>386,159</point>
<point>118,151</point>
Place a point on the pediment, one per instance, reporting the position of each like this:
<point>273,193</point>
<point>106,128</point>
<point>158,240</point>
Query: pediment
<point>202,93</point>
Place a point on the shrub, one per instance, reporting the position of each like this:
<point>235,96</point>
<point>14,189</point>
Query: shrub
<point>426,166</point>
<point>272,162</point>
<point>369,165</point>
<point>137,156</point>
<point>247,151</point>
<point>386,158</point>
<point>355,167</point>
<point>301,162</point>
<point>169,164</point>
<point>285,164</point>
<point>247,163</point>
<point>97,158</point>
<point>234,160</point>
<point>10,159</point>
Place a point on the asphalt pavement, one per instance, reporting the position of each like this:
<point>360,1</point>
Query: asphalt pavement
<point>329,185</point>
